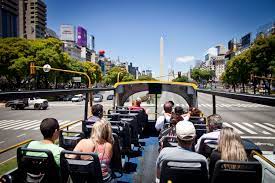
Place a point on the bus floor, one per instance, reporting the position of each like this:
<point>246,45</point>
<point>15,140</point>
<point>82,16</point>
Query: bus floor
<point>142,167</point>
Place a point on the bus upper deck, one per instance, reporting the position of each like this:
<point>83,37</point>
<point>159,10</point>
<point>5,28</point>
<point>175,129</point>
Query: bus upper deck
<point>136,145</point>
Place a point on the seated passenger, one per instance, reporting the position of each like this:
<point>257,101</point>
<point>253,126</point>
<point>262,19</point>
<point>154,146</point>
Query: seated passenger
<point>97,113</point>
<point>136,105</point>
<point>49,128</point>
<point>180,111</point>
<point>172,103</point>
<point>214,126</point>
<point>100,142</point>
<point>168,108</point>
<point>195,112</point>
<point>186,134</point>
<point>230,148</point>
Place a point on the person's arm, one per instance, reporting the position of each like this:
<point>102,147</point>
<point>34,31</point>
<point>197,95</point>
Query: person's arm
<point>159,123</point>
<point>77,148</point>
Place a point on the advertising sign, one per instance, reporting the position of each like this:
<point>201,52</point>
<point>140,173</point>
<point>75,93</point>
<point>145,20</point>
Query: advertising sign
<point>67,33</point>
<point>81,36</point>
<point>77,79</point>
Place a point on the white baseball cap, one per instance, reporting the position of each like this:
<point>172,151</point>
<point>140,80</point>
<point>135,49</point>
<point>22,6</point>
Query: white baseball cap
<point>185,130</point>
<point>138,99</point>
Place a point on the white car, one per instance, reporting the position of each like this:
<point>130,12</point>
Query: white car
<point>97,98</point>
<point>77,98</point>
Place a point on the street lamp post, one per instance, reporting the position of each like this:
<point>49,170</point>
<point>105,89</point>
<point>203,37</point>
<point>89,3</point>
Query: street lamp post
<point>47,68</point>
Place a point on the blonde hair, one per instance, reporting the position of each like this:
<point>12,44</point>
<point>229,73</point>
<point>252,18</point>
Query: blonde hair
<point>231,148</point>
<point>102,132</point>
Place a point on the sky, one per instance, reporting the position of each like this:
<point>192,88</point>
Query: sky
<point>131,29</point>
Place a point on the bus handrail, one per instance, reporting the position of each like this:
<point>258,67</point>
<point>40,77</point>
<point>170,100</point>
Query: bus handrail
<point>262,157</point>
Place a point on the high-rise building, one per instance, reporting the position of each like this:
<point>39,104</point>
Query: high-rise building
<point>133,70</point>
<point>32,19</point>
<point>8,18</point>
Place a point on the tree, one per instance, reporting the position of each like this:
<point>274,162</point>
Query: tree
<point>146,78</point>
<point>181,79</point>
<point>117,74</point>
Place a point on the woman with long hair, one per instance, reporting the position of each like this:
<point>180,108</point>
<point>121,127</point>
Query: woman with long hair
<point>229,148</point>
<point>100,142</point>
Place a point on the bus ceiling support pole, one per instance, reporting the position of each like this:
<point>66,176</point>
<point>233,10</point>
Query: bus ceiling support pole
<point>86,106</point>
<point>156,107</point>
<point>214,103</point>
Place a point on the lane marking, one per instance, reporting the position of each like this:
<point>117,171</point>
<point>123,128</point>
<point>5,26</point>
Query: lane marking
<point>19,125</point>
<point>8,123</point>
<point>228,125</point>
<point>265,127</point>
<point>251,126</point>
<point>2,142</point>
<point>244,128</point>
<point>271,125</point>
<point>258,137</point>
<point>7,160</point>
<point>23,134</point>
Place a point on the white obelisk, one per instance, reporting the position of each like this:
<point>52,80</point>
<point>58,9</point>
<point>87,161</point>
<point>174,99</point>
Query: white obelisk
<point>161,59</point>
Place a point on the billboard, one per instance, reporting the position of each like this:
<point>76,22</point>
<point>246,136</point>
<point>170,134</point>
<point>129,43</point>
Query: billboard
<point>232,44</point>
<point>246,40</point>
<point>81,36</point>
<point>67,33</point>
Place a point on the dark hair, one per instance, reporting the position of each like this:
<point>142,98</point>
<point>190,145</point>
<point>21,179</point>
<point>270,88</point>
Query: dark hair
<point>48,127</point>
<point>175,118</point>
<point>168,107</point>
<point>97,110</point>
<point>171,102</point>
<point>195,112</point>
<point>179,110</point>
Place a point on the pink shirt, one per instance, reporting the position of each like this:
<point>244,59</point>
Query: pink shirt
<point>87,145</point>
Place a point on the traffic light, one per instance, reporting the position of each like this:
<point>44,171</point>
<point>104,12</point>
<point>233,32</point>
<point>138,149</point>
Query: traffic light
<point>32,68</point>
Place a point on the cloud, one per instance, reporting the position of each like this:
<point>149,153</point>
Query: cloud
<point>185,59</point>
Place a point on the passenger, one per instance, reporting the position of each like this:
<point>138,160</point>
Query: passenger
<point>97,113</point>
<point>229,148</point>
<point>186,134</point>
<point>214,126</point>
<point>100,142</point>
<point>195,112</point>
<point>49,128</point>
<point>172,103</point>
<point>168,108</point>
<point>180,111</point>
<point>137,105</point>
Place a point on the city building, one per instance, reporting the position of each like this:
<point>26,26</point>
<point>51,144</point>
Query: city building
<point>72,49</point>
<point>147,72</point>
<point>266,30</point>
<point>67,33</point>
<point>32,19</point>
<point>9,18</point>
<point>50,33</point>
<point>133,70</point>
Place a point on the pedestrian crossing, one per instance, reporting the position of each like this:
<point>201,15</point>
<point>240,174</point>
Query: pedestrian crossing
<point>238,105</point>
<point>252,128</point>
<point>25,124</point>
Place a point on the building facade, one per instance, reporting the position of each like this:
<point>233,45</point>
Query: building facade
<point>32,19</point>
<point>133,70</point>
<point>9,18</point>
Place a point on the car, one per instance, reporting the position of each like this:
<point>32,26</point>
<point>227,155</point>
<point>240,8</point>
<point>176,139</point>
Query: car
<point>110,97</point>
<point>77,98</point>
<point>33,102</point>
<point>97,98</point>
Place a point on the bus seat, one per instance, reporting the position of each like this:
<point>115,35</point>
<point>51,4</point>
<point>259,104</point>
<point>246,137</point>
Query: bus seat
<point>10,176</point>
<point>200,130</point>
<point>80,171</point>
<point>69,139</point>
<point>248,172</point>
<point>36,168</point>
<point>86,128</point>
<point>116,163</point>
<point>194,171</point>
<point>207,145</point>
<point>197,120</point>
<point>268,171</point>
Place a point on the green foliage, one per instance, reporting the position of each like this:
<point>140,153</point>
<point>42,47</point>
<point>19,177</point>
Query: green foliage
<point>117,74</point>
<point>201,74</point>
<point>16,55</point>
<point>181,79</point>
<point>146,78</point>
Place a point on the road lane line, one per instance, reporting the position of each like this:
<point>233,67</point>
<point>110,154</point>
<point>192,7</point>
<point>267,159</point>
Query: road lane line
<point>271,125</point>
<point>228,125</point>
<point>29,124</point>
<point>244,128</point>
<point>2,142</point>
<point>11,123</point>
<point>33,125</point>
<point>20,125</point>
<point>258,137</point>
<point>23,134</point>
<point>265,127</point>
<point>251,126</point>
<point>8,123</point>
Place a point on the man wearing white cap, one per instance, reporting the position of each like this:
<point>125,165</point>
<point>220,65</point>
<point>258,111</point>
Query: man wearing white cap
<point>186,134</point>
